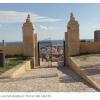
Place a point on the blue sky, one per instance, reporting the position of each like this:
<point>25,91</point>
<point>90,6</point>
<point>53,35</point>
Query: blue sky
<point>50,20</point>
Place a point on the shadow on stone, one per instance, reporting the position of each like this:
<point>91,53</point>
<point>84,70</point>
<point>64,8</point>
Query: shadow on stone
<point>45,67</point>
<point>92,70</point>
<point>70,76</point>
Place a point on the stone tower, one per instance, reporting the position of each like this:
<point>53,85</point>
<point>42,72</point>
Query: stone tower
<point>28,38</point>
<point>72,42</point>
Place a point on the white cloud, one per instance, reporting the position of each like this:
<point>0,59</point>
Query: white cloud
<point>43,27</point>
<point>14,16</point>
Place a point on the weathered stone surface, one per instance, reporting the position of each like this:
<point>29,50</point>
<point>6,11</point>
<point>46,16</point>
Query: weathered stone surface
<point>36,50</point>
<point>97,36</point>
<point>89,65</point>
<point>2,58</point>
<point>32,63</point>
<point>28,38</point>
<point>46,80</point>
<point>72,42</point>
<point>18,70</point>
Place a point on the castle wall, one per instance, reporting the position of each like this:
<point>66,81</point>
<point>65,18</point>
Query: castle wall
<point>12,50</point>
<point>89,47</point>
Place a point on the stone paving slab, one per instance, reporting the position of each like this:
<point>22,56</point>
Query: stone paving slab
<point>93,73</point>
<point>90,65</point>
<point>62,80</point>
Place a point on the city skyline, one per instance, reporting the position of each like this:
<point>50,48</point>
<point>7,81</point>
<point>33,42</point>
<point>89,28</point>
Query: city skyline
<point>49,20</point>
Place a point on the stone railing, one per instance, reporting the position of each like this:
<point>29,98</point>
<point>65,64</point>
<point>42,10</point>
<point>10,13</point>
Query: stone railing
<point>76,68</point>
<point>18,70</point>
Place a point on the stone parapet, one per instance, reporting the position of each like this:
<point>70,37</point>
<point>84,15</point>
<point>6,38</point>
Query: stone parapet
<point>76,68</point>
<point>89,47</point>
<point>18,70</point>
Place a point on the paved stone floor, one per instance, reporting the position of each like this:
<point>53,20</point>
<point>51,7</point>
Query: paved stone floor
<point>90,64</point>
<point>46,79</point>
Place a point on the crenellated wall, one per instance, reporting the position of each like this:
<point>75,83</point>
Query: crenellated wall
<point>12,50</point>
<point>89,47</point>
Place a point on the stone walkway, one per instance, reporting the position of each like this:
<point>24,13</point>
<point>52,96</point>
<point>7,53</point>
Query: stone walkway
<point>93,73</point>
<point>45,79</point>
<point>90,65</point>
